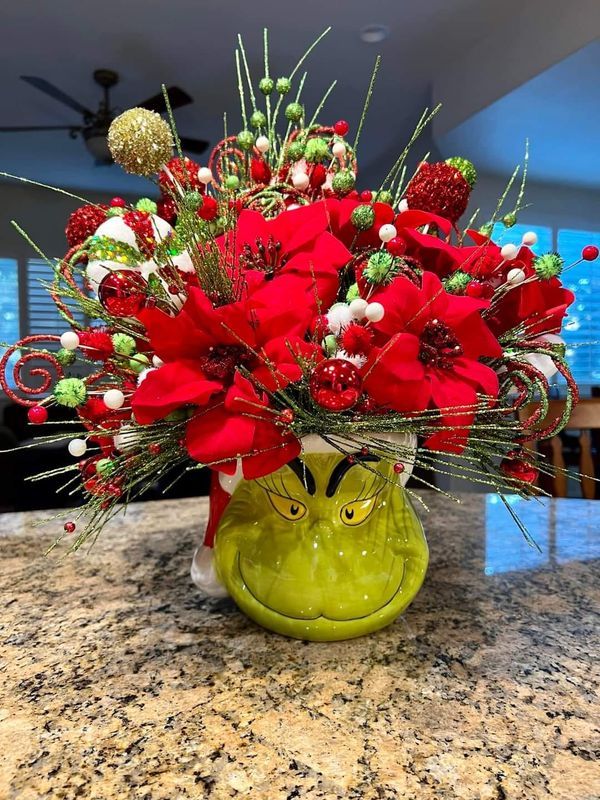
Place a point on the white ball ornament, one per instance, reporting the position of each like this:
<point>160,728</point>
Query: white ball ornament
<point>387,232</point>
<point>338,317</point>
<point>403,205</point>
<point>205,175</point>
<point>114,399</point>
<point>515,276</point>
<point>374,312</point>
<point>358,307</point>
<point>339,150</point>
<point>300,180</point>
<point>262,144</point>
<point>77,447</point>
<point>158,362</point>
<point>509,252</point>
<point>530,238</point>
<point>69,340</point>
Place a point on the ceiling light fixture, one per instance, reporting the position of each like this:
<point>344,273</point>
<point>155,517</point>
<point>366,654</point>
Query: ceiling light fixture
<point>373,34</point>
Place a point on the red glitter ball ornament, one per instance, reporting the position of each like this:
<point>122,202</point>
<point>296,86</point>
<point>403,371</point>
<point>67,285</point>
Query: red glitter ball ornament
<point>480,289</point>
<point>335,384</point>
<point>356,339</point>
<point>184,171</point>
<point>341,127</point>
<point>518,468</point>
<point>399,468</point>
<point>69,527</point>
<point>118,202</point>
<point>140,223</point>
<point>83,223</point>
<point>37,415</point>
<point>318,176</point>
<point>97,345</point>
<point>166,208</point>
<point>260,172</point>
<point>366,196</point>
<point>396,246</point>
<point>590,252</point>
<point>122,293</point>
<point>154,448</point>
<point>209,208</point>
<point>440,189</point>
<point>287,416</point>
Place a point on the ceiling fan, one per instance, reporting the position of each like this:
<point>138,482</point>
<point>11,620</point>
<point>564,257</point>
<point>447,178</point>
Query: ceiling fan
<point>94,126</point>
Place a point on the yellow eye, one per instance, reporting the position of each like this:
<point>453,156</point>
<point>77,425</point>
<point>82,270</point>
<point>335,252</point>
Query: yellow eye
<point>288,508</point>
<point>356,512</point>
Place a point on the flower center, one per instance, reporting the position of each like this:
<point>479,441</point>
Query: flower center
<point>439,345</point>
<point>267,257</point>
<point>221,361</point>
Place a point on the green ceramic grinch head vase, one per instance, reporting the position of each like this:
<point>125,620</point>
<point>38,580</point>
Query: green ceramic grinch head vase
<point>325,548</point>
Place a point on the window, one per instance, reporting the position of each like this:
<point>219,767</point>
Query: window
<point>502,235</point>
<point>42,315</point>
<point>9,307</point>
<point>581,330</point>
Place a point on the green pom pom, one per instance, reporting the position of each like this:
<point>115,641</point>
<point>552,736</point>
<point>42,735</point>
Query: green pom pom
<point>105,466</point>
<point>232,182</point>
<point>343,181</point>
<point>294,112</point>
<point>384,197</point>
<point>123,343</point>
<point>486,230</point>
<point>117,211</point>
<point>145,204</point>
<point>363,218</point>
<point>316,150</point>
<point>70,392</point>
<point>330,344</point>
<point>193,200</point>
<point>381,268</point>
<point>258,120</point>
<point>66,357</point>
<point>139,363</point>
<point>245,139</point>
<point>294,151</point>
<point>266,85</point>
<point>457,282</point>
<point>465,167</point>
<point>509,219</point>
<point>283,85</point>
<point>548,266</point>
<point>353,293</point>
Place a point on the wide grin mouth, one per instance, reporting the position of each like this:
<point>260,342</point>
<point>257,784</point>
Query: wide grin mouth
<point>318,616</point>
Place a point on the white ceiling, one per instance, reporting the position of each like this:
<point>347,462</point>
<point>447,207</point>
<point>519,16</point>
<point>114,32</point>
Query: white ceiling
<point>190,43</point>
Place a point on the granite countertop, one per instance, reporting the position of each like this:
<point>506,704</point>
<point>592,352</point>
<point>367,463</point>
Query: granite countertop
<point>118,680</point>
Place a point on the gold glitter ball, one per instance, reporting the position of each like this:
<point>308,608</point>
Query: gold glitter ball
<point>140,141</point>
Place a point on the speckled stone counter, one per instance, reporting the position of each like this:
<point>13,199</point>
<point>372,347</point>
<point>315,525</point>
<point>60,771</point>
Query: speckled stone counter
<point>118,680</point>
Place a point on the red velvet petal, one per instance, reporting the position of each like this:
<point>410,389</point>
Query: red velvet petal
<point>172,386</point>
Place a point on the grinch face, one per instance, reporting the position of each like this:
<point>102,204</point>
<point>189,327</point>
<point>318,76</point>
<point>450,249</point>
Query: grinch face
<point>322,549</point>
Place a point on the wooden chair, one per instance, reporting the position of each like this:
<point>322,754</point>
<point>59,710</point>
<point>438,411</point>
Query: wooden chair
<point>585,419</point>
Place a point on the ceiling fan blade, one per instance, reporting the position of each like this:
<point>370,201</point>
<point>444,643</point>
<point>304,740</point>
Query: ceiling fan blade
<point>73,128</point>
<point>56,93</point>
<point>193,145</point>
<point>177,98</point>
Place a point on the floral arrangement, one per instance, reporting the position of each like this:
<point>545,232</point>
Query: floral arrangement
<point>263,297</point>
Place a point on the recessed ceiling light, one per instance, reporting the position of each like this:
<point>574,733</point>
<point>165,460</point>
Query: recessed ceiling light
<point>372,34</point>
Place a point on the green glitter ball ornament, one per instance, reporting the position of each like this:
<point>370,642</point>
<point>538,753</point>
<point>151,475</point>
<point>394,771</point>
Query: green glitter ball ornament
<point>258,120</point>
<point>294,112</point>
<point>486,230</point>
<point>70,392</point>
<point>283,85</point>
<point>105,466</point>
<point>384,197</point>
<point>145,204</point>
<point>510,219</point>
<point>330,344</point>
<point>363,218</point>
<point>232,182</point>
<point>117,211</point>
<point>245,139</point>
<point>139,363</point>
<point>66,357</point>
<point>343,181</point>
<point>381,268</point>
<point>465,167</point>
<point>294,151</point>
<point>457,282</point>
<point>316,149</point>
<point>123,343</point>
<point>266,85</point>
<point>548,265</point>
<point>193,200</point>
<point>353,293</point>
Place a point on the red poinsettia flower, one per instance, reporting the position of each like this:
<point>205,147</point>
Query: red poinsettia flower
<point>340,221</point>
<point>426,355</point>
<point>430,251</point>
<point>242,425</point>
<point>296,243</point>
<point>202,347</point>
